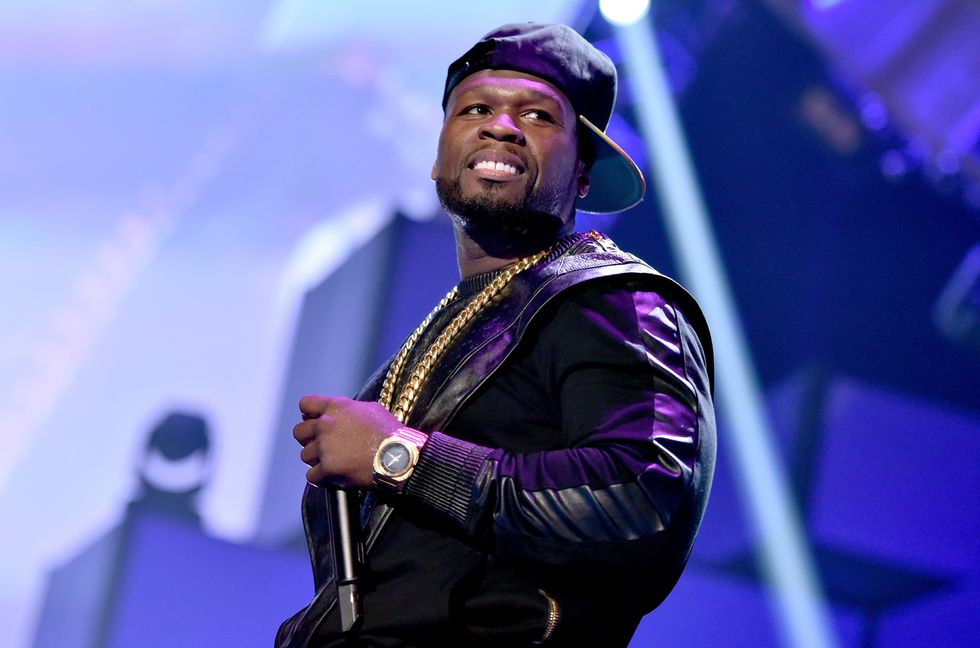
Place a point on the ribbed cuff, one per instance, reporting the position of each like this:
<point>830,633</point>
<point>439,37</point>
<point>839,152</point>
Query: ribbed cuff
<point>445,473</point>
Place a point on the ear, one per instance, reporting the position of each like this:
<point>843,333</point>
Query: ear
<point>582,180</point>
<point>433,173</point>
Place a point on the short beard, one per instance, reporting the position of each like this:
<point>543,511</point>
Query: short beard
<point>502,229</point>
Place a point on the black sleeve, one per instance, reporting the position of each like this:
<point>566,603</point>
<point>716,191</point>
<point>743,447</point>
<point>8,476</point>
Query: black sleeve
<point>628,373</point>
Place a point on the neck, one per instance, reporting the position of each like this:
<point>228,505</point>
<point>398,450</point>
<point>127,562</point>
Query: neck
<point>474,257</point>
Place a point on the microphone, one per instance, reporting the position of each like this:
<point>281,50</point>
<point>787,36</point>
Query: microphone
<point>344,523</point>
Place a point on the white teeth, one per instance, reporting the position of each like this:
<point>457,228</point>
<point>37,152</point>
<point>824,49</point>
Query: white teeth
<point>496,166</point>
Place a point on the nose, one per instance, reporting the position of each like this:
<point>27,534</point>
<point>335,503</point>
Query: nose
<point>503,129</point>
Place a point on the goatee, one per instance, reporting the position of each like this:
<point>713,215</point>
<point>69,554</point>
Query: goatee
<point>504,229</point>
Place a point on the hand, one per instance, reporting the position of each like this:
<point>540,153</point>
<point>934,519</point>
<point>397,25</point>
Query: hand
<point>340,437</point>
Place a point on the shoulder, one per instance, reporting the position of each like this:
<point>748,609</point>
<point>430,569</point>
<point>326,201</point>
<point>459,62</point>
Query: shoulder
<point>609,313</point>
<point>603,297</point>
<point>590,267</point>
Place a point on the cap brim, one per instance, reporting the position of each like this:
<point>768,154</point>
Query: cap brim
<point>615,182</point>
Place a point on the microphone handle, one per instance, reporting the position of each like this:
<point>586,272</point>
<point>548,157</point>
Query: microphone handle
<point>346,523</point>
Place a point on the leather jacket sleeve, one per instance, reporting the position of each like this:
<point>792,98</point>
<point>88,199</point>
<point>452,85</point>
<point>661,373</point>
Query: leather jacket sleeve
<point>627,372</point>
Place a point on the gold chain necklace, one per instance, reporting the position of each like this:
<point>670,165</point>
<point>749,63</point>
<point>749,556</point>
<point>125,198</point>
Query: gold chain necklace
<point>406,400</point>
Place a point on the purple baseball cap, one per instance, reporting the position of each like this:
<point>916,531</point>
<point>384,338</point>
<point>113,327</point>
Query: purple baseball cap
<point>586,76</point>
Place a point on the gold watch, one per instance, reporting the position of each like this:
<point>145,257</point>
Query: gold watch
<point>396,457</point>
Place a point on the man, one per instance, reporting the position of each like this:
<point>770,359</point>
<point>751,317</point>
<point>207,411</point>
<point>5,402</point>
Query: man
<point>539,461</point>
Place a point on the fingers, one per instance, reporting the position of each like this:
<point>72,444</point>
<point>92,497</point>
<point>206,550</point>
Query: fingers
<point>305,431</point>
<point>338,436</point>
<point>315,475</point>
<point>315,406</point>
<point>320,475</point>
<point>310,455</point>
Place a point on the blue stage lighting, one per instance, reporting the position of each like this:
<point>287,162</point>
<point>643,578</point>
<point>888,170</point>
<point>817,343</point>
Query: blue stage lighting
<point>623,12</point>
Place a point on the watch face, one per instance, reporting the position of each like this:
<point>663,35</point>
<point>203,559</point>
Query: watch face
<point>396,458</point>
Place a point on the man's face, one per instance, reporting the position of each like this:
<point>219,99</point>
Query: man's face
<point>508,156</point>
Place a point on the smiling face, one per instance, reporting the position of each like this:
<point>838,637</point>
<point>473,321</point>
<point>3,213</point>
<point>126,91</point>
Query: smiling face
<point>508,165</point>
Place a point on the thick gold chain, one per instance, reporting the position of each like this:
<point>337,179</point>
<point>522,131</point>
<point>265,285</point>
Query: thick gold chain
<point>388,387</point>
<point>410,391</point>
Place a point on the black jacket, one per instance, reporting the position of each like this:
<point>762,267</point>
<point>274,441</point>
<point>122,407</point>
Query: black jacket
<point>576,460</point>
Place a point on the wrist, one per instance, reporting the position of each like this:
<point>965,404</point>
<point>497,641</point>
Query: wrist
<point>396,458</point>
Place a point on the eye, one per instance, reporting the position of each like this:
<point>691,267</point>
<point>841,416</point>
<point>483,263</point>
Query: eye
<point>538,114</point>
<point>475,109</point>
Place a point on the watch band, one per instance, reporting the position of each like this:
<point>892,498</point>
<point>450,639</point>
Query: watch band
<point>405,441</point>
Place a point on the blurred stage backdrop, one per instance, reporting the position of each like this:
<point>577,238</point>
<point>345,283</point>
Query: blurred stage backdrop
<point>209,209</point>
